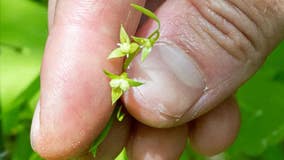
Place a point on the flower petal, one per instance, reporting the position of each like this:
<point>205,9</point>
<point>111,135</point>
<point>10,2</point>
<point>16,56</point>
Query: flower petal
<point>134,83</point>
<point>124,38</point>
<point>111,75</point>
<point>145,53</point>
<point>116,53</point>
<point>116,93</point>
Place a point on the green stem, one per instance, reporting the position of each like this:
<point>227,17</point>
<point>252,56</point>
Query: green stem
<point>104,133</point>
<point>128,60</point>
<point>156,33</point>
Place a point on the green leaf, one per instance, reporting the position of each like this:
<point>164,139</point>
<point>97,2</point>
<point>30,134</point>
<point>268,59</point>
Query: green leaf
<point>35,156</point>
<point>22,148</point>
<point>124,38</point>
<point>145,53</point>
<point>19,105</point>
<point>122,155</point>
<point>116,53</point>
<point>146,12</point>
<point>133,83</point>
<point>139,40</point>
<point>22,37</point>
<point>110,75</point>
<point>116,93</point>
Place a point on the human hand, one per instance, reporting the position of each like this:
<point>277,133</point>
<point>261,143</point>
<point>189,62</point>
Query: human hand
<point>206,51</point>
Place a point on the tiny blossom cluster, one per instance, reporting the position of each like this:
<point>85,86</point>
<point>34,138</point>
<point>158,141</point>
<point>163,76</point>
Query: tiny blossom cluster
<point>121,83</point>
<point>126,48</point>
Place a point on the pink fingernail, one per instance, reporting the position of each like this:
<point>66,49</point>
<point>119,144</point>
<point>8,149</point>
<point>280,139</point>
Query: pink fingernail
<point>172,81</point>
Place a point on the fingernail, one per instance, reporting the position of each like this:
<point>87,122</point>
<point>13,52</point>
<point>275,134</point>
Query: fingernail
<point>35,125</point>
<point>172,81</point>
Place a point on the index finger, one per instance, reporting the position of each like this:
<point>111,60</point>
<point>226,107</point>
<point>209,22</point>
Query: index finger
<point>75,101</point>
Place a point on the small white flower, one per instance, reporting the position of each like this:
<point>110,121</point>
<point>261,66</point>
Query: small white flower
<point>124,85</point>
<point>125,47</point>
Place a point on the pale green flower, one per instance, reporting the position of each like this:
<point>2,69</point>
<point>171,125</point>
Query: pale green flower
<point>119,84</point>
<point>125,47</point>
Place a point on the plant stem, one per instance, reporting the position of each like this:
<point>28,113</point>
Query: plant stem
<point>104,133</point>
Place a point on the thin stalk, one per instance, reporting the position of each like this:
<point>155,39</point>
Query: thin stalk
<point>103,134</point>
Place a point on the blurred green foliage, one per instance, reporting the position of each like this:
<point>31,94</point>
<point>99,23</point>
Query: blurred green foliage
<point>23,31</point>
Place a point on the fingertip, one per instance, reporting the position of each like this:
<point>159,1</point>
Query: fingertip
<point>215,131</point>
<point>35,128</point>
<point>148,143</point>
<point>52,143</point>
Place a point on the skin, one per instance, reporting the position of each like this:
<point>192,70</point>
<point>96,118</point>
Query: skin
<point>153,143</point>
<point>75,101</point>
<point>118,137</point>
<point>226,118</point>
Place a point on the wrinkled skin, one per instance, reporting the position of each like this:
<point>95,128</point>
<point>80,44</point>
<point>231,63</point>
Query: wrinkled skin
<point>207,50</point>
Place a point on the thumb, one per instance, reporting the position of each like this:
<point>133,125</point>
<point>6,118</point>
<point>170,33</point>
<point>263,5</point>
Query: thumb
<point>206,51</point>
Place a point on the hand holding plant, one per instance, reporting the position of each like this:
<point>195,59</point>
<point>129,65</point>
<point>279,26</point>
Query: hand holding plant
<point>203,56</point>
